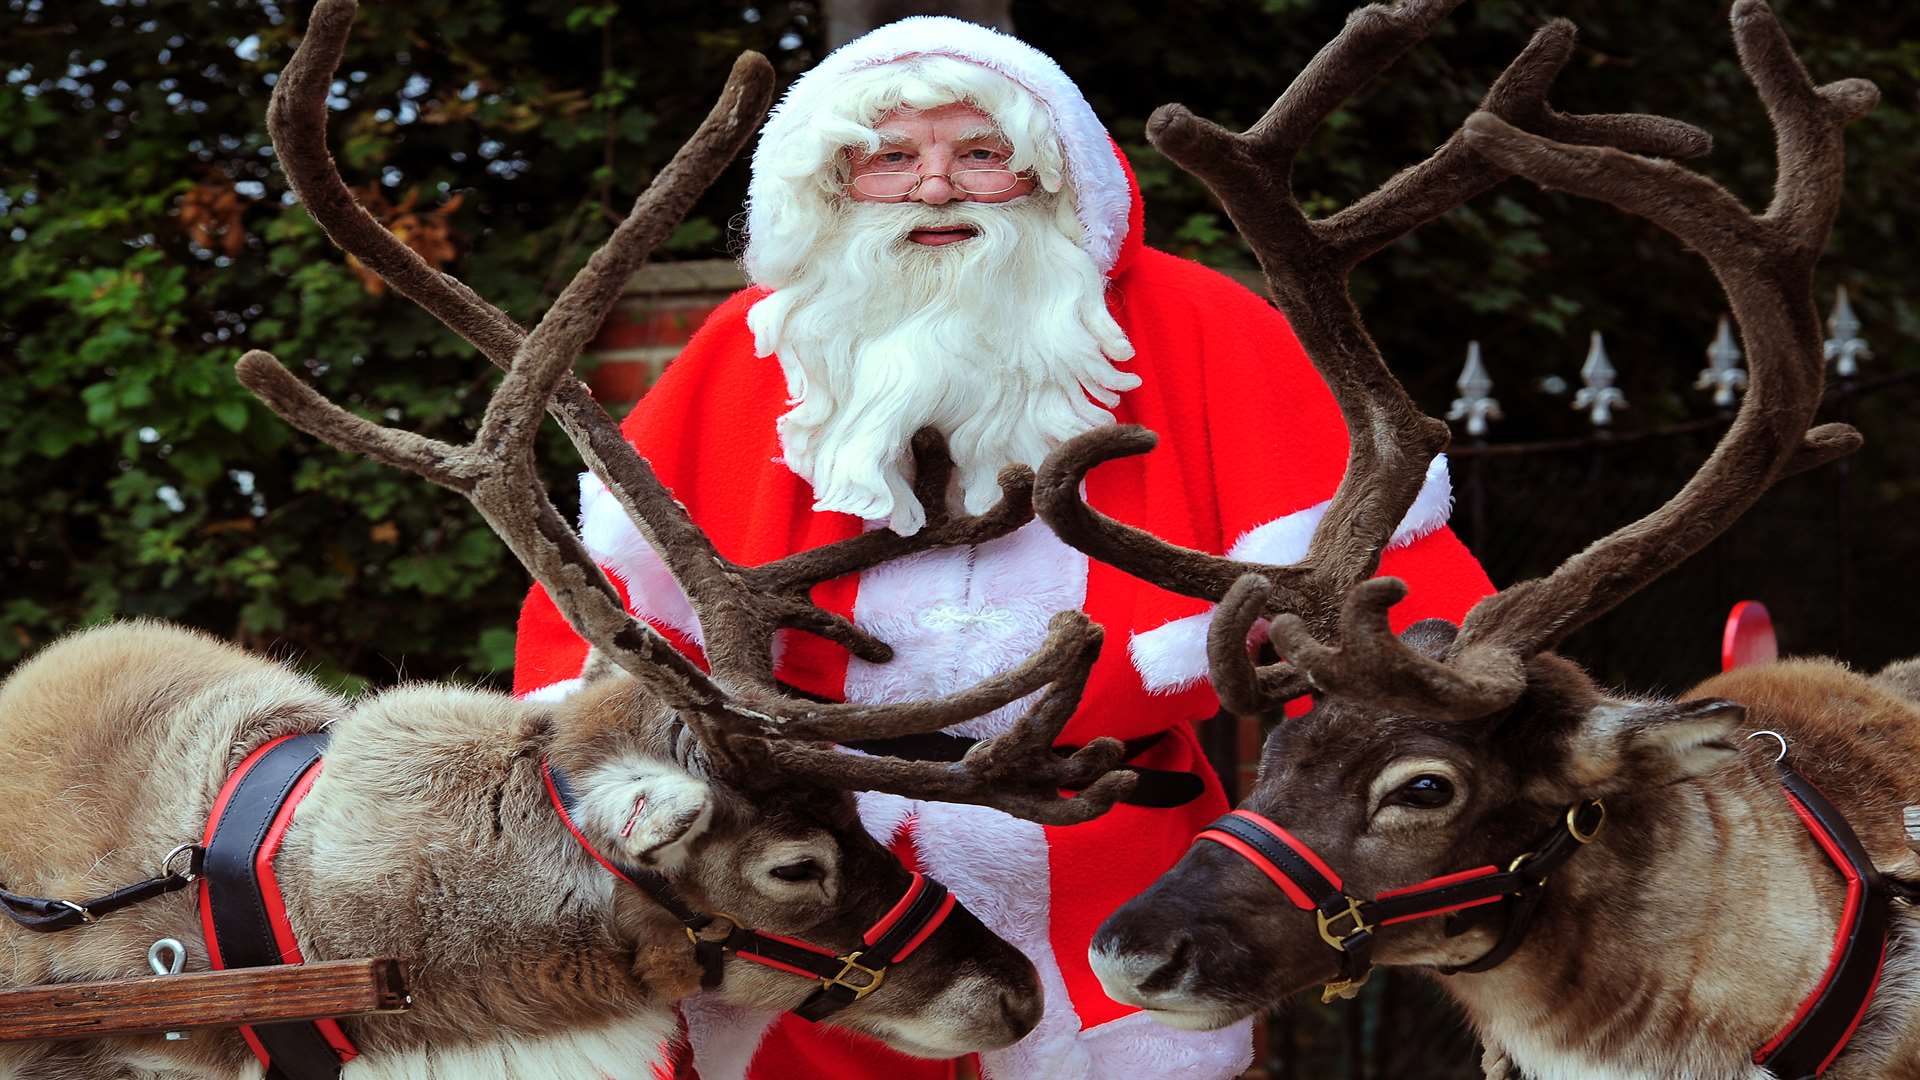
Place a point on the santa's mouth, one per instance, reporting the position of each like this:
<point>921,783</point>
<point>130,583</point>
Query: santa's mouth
<point>936,237</point>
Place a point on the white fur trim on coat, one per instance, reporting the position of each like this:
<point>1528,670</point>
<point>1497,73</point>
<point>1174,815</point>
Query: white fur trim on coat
<point>1101,192</point>
<point>615,544</point>
<point>1173,657</point>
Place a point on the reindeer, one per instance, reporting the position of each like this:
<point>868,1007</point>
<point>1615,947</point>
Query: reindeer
<point>472,834</point>
<point>1630,887</point>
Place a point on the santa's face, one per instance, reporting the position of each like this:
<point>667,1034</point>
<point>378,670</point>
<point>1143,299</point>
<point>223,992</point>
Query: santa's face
<point>934,157</point>
<point>939,289</point>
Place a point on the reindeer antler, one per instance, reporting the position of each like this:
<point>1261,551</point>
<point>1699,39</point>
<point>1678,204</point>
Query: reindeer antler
<point>740,608</point>
<point>1764,263</point>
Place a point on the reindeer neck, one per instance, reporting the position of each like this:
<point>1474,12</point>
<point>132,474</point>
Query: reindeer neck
<point>452,840</point>
<point>1674,945</point>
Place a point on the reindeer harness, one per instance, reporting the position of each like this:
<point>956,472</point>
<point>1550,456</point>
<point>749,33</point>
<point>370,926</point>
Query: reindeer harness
<point>844,978</point>
<point>1805,1047</point>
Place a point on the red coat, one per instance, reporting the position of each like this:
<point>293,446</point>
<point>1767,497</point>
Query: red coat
<point>1251,444</point>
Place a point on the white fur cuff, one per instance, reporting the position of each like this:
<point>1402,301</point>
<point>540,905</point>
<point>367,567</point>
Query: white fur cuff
<point>1173,657</point>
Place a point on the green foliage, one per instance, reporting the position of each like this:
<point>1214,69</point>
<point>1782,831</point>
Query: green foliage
<point>151,240</point>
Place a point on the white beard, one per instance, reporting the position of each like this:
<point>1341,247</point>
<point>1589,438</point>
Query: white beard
<point>1002,342</point>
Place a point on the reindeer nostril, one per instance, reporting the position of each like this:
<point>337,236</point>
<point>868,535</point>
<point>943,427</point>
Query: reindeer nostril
<point>1022,1013</point>
<point>1166,975</point>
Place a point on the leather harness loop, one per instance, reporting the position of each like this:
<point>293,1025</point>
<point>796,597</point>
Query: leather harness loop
<point>48,915</point>
<point>844,977</point>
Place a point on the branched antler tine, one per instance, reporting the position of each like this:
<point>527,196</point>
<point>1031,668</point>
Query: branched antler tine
<point>1806,120</point>
<point>932,467</point>
<point>1056,499</point>
<point>547,355</point>
<point>1017,772</point>
<point>1373,664</point>
<point>1229,667</point>
<point>510,497</point>
<point>1453,175</point>
<point>297,123</point>
<point>1670,195</point>
<point>310,411</point>
<point>1765,265</point>
<point>1070,634</point>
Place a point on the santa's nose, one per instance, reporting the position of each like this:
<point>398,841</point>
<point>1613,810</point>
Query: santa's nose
<point>936,191</point>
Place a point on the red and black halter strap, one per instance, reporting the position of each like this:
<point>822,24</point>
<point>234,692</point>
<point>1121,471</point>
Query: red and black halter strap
<point>1348,924</point>
<point>844,978</point>
<point>1805,1047</point>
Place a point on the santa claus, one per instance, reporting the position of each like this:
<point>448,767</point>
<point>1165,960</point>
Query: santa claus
<point>941,233</point>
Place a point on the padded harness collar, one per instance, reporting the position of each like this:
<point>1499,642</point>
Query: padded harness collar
<point>242,915</point>
<point>844,978</point>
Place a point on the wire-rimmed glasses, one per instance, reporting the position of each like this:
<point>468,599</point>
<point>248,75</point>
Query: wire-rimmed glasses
<point>899,185</point>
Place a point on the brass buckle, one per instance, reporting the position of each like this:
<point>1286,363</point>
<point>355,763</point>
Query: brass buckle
<point>705,932</point>
<point>1360,925</point>
<point>1343,989</point>
<point>850,963</point>
<point>1573,822</point>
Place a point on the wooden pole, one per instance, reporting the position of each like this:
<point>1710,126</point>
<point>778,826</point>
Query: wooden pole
<point>208,999</point>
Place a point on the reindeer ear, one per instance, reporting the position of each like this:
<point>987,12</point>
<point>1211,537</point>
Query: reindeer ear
<point>647,811</point>
<point>1625,746</point>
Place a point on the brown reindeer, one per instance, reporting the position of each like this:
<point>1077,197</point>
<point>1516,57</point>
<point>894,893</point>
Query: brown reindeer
<point>434,831</point>
<point>1611,887</point>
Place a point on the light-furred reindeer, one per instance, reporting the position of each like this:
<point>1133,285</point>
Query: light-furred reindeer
<point>1611,887</point>
<point>540,867</point>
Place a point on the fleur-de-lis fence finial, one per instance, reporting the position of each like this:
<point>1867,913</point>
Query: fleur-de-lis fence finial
<point>1723,374</point>
<point>1598,395</point>
<point>1845,348</point>
<point>1476,404</point>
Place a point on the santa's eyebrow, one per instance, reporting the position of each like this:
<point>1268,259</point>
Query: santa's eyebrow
<point>894,138</point>
<point>983,133</point>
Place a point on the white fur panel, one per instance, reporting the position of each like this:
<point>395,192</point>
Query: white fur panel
<point>1099,184</point>
<point>614,543</point>
<point>628,1048</point>
<point>956,616</point>
<point>1172,657</point>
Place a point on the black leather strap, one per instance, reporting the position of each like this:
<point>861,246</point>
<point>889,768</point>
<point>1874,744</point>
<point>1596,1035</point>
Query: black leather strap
<point>1811,1044</point>
<point>45,915</point>
<point>242,926</point>
<point>1159,789</point>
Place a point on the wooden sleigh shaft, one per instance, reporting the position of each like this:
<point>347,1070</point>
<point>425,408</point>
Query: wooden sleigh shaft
<point>201,1000</point>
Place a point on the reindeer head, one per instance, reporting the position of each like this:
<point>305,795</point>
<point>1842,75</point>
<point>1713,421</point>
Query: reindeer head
<point>1443,771</point>
<point>715,791</point>
<point>778,857</point>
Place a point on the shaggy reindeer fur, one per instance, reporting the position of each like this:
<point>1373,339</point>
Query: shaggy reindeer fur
<point>429,836</point>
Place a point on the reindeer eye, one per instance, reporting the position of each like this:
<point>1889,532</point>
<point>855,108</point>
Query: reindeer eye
<point>804,870</point>
<point>1426,791</point>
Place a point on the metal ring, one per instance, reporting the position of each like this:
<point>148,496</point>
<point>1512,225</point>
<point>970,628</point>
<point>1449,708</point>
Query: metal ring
<point>166,864</point>
<point>85,915</point>
<point>1783,742</point>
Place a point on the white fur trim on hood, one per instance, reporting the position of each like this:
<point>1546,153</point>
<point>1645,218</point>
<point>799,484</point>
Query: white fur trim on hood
<point>1101,192</point>
<point>1173,657</point>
